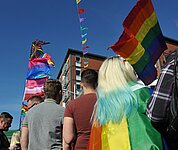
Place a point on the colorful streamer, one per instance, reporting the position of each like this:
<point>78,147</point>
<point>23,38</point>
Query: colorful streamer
<point>82,19</point>
<point>141,42</point>
<point>81,10</point>
<point>84,33</point>
<point>84,41</point>
<point>83,28</point>
<point>78,1</point>
<point>85,47</point>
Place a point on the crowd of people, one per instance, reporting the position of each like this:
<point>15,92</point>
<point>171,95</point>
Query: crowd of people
<point>109,115</point>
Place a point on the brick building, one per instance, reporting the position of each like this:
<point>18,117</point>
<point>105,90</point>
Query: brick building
<point>70,72</point>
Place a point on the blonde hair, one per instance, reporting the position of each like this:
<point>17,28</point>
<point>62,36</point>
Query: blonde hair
<point>130,72</point>
<point>15,138</point>
<point>115,97</point>
<point>112,74</point>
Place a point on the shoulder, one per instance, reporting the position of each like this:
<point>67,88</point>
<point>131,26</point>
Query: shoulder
<point>70,108</point>
<point>34,108</point>
<point>86,96</point>
<point>141,89</point>
<point>71,104</point>
<point>62,109</point>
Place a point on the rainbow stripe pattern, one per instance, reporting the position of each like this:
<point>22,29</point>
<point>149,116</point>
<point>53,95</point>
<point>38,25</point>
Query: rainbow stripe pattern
<point>23,111</point>
<point>142,41</point>
<point>133,132</point>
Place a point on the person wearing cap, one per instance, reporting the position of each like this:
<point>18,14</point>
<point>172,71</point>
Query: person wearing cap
<point>42,126</point>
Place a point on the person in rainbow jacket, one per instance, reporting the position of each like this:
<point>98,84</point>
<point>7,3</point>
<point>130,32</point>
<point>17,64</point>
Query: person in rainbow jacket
<point>119,119</point>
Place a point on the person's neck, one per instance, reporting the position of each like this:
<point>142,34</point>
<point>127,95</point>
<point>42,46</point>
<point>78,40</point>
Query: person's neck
<point>53,100</point>
<point>88,91</point>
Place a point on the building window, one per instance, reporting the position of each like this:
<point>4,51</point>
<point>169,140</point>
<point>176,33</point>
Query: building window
<point>78,74</point>
<point>78,59</point>
<point>77,86</point>
<point>77,89</point>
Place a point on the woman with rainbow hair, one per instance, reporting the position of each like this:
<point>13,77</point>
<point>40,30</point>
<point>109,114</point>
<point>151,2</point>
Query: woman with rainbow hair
<point>119,119</point>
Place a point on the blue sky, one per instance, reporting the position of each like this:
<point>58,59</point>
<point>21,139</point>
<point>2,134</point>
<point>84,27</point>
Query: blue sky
<point>56,21</point>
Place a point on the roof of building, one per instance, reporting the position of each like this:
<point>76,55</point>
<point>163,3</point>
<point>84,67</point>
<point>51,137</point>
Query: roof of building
<point>77,52</point>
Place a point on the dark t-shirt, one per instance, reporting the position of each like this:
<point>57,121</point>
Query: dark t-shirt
<point>81,110</point>
<point>4,143</point>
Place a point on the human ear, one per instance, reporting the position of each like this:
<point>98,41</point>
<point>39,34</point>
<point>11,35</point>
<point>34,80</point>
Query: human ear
<point>81,85</point>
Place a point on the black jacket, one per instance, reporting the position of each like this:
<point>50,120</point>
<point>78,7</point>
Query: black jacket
<point>4,143</point>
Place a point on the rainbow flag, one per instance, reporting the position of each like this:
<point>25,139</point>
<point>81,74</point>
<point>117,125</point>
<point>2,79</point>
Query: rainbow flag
<point>23,112</point>
<point>142,41</point>
<point>133,132</point>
